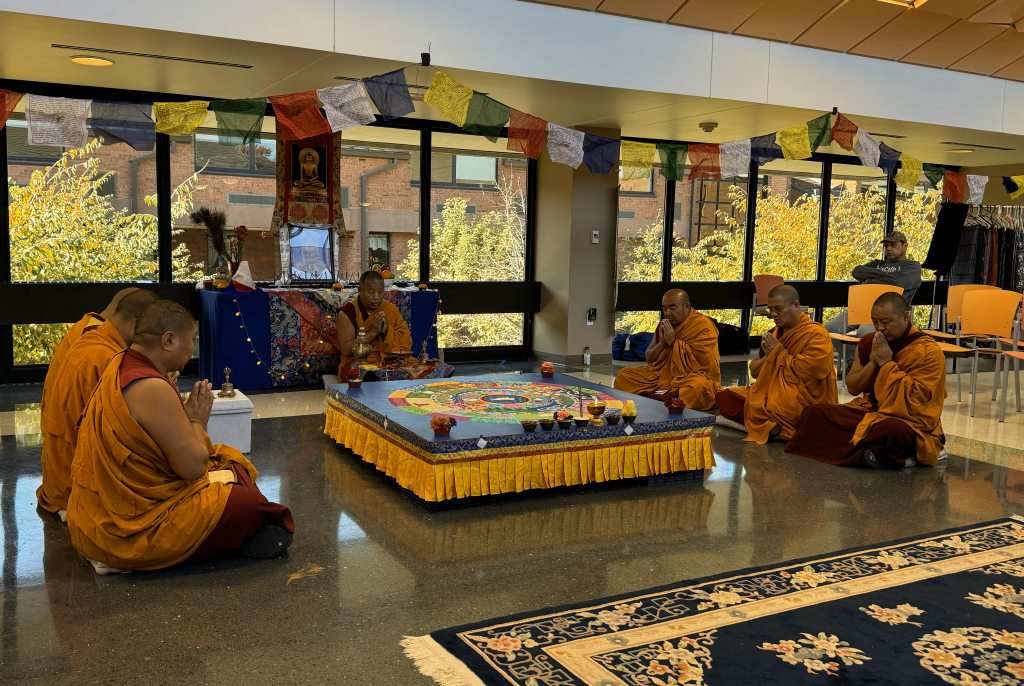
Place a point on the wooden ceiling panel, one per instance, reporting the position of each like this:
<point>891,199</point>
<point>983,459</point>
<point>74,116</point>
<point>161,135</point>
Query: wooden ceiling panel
<point>903,35</point>
<point>849,24</point>
<point>716,15</point>
<point>1007,11</point>
<point>655,10</point>
<point>961,9</point>
<point>784,20</point>
<point>574,4</point>
<point>1013,72</point>
<point>993,56</point>
<point>953,44</point>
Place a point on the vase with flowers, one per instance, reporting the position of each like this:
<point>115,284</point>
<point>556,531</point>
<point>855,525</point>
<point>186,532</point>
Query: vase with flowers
<point>442,424</point>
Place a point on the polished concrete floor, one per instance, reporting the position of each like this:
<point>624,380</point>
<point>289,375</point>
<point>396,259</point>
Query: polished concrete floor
<point>368,566</point>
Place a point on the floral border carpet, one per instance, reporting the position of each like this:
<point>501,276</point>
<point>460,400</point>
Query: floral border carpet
<point>943,608</point>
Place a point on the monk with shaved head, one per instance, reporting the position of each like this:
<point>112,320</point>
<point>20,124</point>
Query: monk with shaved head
<point>683,357</point>
<point>792,371</point>
<point>900,375</point>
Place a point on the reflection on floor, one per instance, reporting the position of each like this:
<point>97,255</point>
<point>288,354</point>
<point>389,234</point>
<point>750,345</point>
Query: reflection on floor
<point>368,566</point>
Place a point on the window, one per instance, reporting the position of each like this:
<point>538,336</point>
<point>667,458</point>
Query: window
<point>20,152</point>
<point>639,231</point>
<point>380,251</point>
<point>453,169</point>
<point>788,216</point>
<point>312,254</point>
<point>856,219</point>
<point>257,157</point>
<point>708,230</point>
<point>633,186</point>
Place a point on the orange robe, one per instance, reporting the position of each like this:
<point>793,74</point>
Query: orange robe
<point>76,379</point>
<point>128,508</point>
<point>88,322</point>
<point>797,373</point>
<point>690,367</point>
<point>397,338</point>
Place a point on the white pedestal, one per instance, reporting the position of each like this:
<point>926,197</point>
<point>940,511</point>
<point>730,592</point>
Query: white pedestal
<point>231,422</point>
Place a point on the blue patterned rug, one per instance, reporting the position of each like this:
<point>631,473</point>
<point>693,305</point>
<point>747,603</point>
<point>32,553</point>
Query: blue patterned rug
<point>942,608</point>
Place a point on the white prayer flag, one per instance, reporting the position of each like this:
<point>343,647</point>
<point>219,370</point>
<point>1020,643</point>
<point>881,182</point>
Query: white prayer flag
<point>56,121</point>
<point>565,145</point>
<point>866,148</point>
<point>734,158</point>
<point>346,106</point>
<point>976,188</point>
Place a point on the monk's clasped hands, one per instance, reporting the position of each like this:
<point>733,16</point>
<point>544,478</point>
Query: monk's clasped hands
<point>200,402</point>
<point>880,350</point>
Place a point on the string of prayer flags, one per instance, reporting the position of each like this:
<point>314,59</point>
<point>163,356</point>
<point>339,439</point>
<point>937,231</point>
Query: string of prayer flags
<point>239,121</point>
<point>976,188</point>
<point>8,101</point>
<point>565,145</point>
<point>485,117</point>
<point>1014,185</point>
<point>449,97</point>
<point>818,131</point>
<point>346,106</point>
<point>56,121</point>
<point>843,131</point>
<point>600,154</point>
<point>910,171</point>
<point>866,148</point>
<point>174,118</point>
<point>705,161</point>
<point>765,148</point>
<point>934,174</point>
<point>794,142</point>
<point>124,122</point>
<point>636,160</point>
<point>390,94</point>
<point>298,116</point>
<point>734,158</point>
<point>954,187</point>
<point>888,158</point>
<point>526,133</point>
<point>673,160</point>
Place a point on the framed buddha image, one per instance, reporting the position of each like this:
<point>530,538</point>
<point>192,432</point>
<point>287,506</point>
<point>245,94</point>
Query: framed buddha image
<point>309,171</point>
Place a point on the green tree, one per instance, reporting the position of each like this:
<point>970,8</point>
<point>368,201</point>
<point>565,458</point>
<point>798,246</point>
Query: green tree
<point>63,229</point>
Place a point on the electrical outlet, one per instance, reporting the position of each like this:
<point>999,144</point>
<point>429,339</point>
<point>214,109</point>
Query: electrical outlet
<point>595,237</point>
<point>591,316</point>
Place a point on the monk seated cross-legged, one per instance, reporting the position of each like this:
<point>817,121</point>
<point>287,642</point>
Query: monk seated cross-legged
<point>897,421</point>
<point>149,489</point>
<point>683,358</point>
<point>380,320</point>
<point>793,370</point>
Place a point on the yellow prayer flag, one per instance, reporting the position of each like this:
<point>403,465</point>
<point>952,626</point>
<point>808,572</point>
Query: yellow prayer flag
<point>449,97</point>
<point>175,118</point>
<point>636,160</point>
<point>909,173</point>
<point>795,142</point>
<point>1019,180</point>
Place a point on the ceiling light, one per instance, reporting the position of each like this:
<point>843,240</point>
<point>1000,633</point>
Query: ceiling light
<point>959,151</point>
<point>909,4</point>
<point>89,61</point>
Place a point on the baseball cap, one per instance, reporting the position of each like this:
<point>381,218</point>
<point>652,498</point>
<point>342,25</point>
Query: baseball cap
<point>894,237</point>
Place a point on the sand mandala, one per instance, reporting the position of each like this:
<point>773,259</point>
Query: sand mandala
<point>499,402</point>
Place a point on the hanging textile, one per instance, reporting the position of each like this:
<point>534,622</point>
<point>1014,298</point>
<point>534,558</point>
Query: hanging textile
<point>298,116</point>
<point>888,158</point>
<point>390,94</point>
<point>1014,185</point>
<point>636,160</point>
<point>526,133</point>
<point>843,131</point>
<point>704,160</point>
<point>175,118</point>
<point>934,174</point>
<point>866,148</point>
<point>794,142</point>
<point>765,149</point>
<point>976,188</point>
<point>308,182</point>
<point>565,145</point>
<point>734,158</point>
<point>8,101</point>
<point>910,171</point>
<point>485,117</point>
<point>123,122</point>
<point>346,106</point>
<point>239,121</point>
<point>946,239</point>
<point>600,154</point>
<point>56,121</point>
<point>673,160</point>
<point>818,131</point>
<point>954,187</point>
<point>449,97</point>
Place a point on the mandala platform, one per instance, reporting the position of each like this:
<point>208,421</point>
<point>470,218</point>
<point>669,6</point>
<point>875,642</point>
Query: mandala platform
<point>387,424</point>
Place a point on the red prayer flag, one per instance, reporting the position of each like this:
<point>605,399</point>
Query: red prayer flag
<point>8,101</point>
<point>954,186</point>
<point>843,131</point>
<point>298,115</point>
<point>526,133</point>
<point>705,161</point>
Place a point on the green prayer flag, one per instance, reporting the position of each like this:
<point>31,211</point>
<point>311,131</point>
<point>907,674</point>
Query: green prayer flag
<point>239,121</point>
<point>485,117</point>
<point>819,131</point>
<point>673,160</point>
<point>934,174</point>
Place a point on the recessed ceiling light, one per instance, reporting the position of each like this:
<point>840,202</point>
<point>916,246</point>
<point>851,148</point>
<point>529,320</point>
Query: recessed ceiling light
<point>959,151</point>
<point>89,61</point>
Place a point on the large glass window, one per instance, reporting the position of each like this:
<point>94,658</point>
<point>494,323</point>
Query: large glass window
<point>856,219</point>
<point>707,231</point>
<point>788,214</point>
<point>639,229</point>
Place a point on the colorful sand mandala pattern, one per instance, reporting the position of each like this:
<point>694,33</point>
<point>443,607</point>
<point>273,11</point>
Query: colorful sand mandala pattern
<point>504,402</point>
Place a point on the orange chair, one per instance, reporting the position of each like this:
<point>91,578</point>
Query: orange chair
<point>990,312</point>
<point>860,298</point>
<point>951,342</point>
<point>763,285</point>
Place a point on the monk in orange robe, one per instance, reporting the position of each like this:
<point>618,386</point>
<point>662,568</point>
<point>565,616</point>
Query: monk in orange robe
<point>385,329</point>
<point>901,373</point>
<point>149,489</point>
<point>683,357</point>
<point>75,381</point>
<point>793,370</point>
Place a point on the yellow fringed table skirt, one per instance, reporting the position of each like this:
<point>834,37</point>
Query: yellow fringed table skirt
<point>435,477</point>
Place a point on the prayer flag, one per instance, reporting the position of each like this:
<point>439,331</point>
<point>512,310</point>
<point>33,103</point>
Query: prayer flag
<point>818,131</point>
<point>124,122</point>
<point>600,154</point>
<point>954,186</point>
<point>1015,187</point>
<point>298,115</point>
<point>764,148</point>
<point>239,121</point>
<point>565,145</point>
<point>735,158</point>
<point>175,118</point>
<point>56,121</point>
<point>673,160</point>
<point>934,173</point>
<point>390,94</point>
<point>910,171</point>
<point>485,117</point>
<point>843,131</point>
<point>449,97</point>
<point>866,148</point>
<point>636,160</point>
<point>794,142</point>
<point>888,158</point>
<point>526,133</point>
<point>8,101</point>
<point>704,161</point>
<point>346,106</point>
<point>976,188</point>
